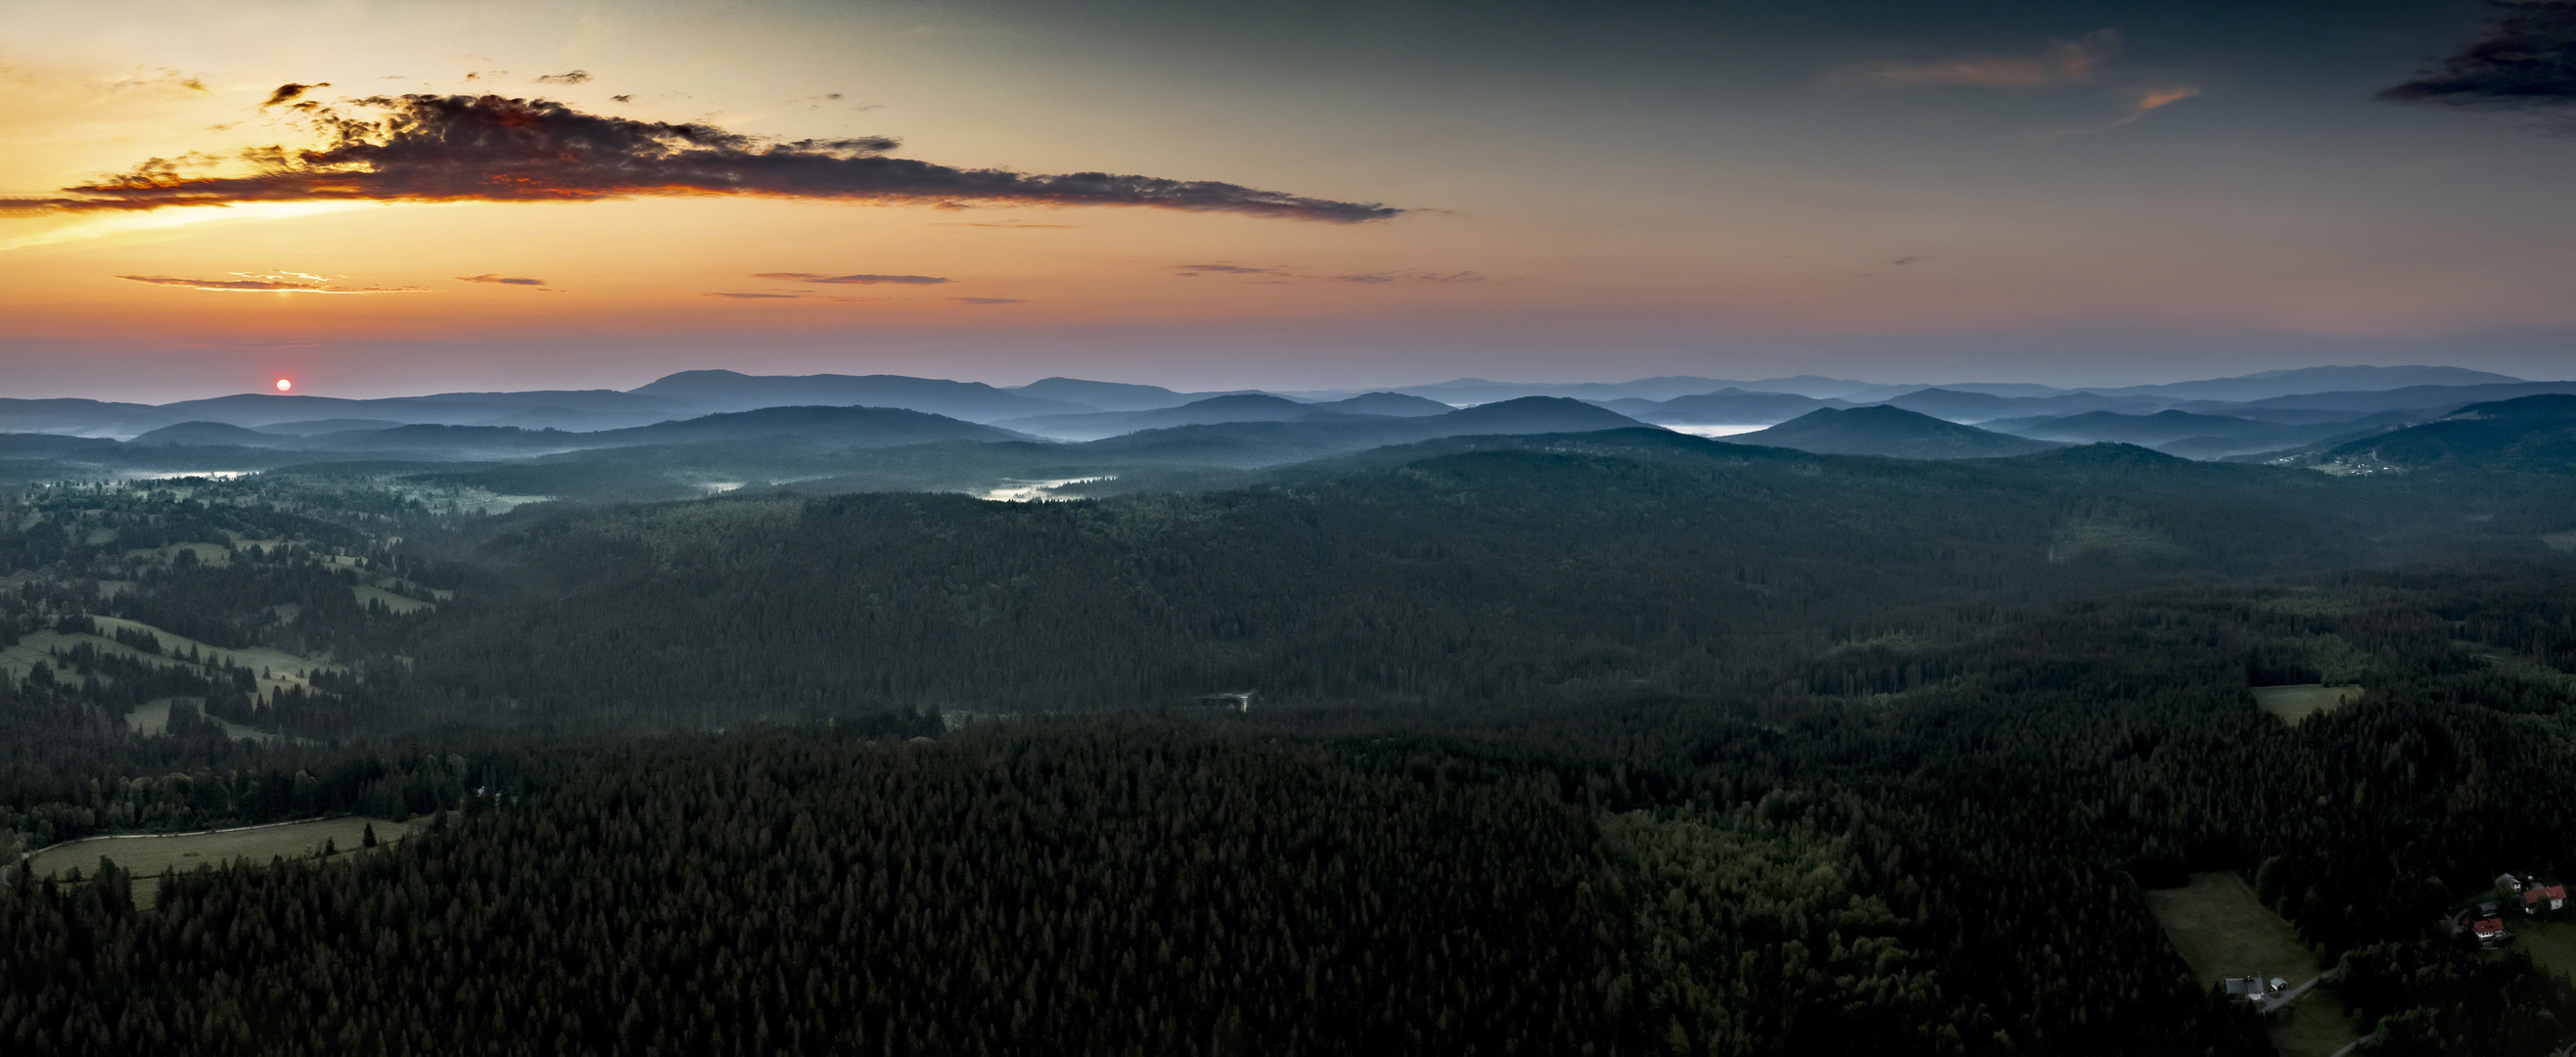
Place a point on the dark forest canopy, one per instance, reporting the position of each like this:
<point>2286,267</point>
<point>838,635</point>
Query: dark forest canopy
<point>1623,742</point>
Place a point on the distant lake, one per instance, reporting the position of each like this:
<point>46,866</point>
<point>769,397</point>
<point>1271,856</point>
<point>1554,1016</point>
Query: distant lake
<point>1715,431</point>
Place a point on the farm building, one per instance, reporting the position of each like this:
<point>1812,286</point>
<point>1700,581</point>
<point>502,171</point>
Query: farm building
<point>2489,925</point>
<point>2534,894</point>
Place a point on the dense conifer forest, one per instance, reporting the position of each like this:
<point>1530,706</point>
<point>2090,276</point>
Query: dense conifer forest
<point>1613,743</point>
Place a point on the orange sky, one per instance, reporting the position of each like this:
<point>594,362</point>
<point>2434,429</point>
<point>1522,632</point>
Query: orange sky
<point>2041,201</point>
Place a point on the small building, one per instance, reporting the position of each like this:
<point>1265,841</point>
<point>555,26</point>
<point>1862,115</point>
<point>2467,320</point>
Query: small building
<point>2249,988</point>
<point>2539,897</point>
<point>2489,926</point>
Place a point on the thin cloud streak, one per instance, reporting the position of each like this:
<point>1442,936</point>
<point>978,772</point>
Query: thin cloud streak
<point>2064,63</point>
<point>1281,273</point>
<point>504,280</point>
<point>432,148</point>
<point>855,280</point>
<point>294,283</point>
<point>2153,99</point>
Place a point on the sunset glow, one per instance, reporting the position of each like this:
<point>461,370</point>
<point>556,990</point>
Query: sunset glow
<point>285,385</point>
<point>2125,193</point>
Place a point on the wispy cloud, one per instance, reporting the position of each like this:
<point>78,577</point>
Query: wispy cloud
<point>2151,99</point>
<point>1410,276</point>
<point>433,148</point>
<point>1281,273</point>
<point>1000,224</point>
<point>503,280</point>
<point>758,297</point>
<point>574,77</point>
<point>854,280</point>
<point>2061,63</point>
<point>988,300</point>
<point>1195,270</point>
<point>281,283</point>
<point>2526,59</point>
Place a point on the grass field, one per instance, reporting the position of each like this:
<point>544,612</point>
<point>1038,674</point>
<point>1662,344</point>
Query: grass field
<point>396,603</point>
<point>2294,703</point>
<point>281,669</point>
<point>2550,942</point>
<point>145,857</point>
<point>2222,931</point>
<point>153,717</point>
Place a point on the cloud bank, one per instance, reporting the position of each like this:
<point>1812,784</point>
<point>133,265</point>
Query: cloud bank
<point>2526,59</point>
<point>452,148</point>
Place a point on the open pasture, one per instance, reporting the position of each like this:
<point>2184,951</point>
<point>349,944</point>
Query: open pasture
<point>368,593</point>
<point>153,717</point>
<point>2550,941</point>
<point>2222,930</point>
<point>146,856</point>
<point>2295,703</point>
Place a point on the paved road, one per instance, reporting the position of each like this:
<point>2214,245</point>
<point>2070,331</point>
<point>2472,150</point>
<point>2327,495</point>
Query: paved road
<point>2292,995</point>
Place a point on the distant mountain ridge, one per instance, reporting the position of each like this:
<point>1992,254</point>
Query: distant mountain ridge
<point>1881,429</point>
<point>1077,409</point>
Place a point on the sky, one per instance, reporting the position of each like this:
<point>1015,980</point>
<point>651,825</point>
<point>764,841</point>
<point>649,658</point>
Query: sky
<point>385,197</point>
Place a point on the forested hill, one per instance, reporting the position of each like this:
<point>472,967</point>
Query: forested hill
<point>1561,565</point>
<point>1622,742</point>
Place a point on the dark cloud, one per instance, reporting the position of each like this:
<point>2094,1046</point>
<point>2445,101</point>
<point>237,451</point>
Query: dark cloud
<point>290,283</point>
<point>1912,259</point>
<point>504,280</point>
<point>622,98</point>
<point>2527,58</point>
<point>575,77</point>
<point>988,300</point>
<point>432,148</point>
<point>288,93</point>
<point>858,280</point>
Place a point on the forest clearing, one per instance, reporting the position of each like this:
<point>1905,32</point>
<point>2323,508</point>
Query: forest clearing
<point>145,856</point>
<point>2295,703</point>
<point>2222,930</point>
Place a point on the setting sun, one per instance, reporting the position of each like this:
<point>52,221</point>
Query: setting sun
<point>285,384</point>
